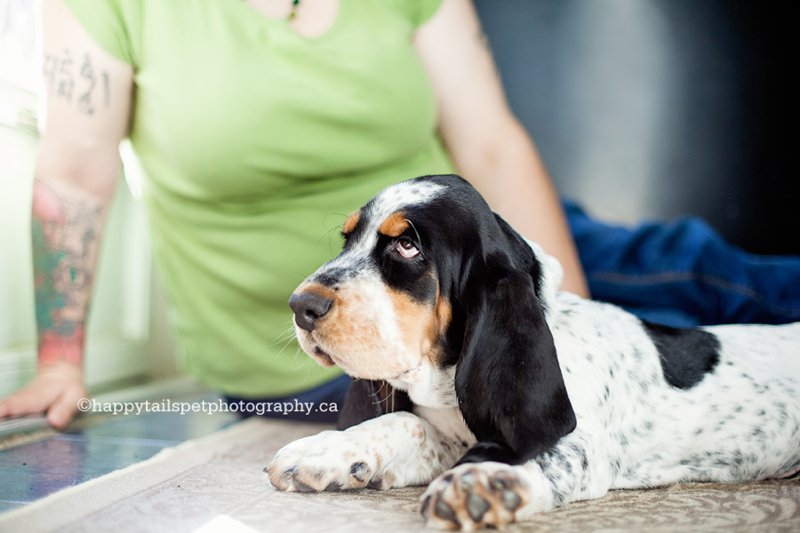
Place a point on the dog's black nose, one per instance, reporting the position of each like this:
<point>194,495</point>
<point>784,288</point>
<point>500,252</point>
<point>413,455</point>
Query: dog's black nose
<point>308,308</point>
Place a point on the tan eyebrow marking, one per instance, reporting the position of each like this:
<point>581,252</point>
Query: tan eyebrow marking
<point>444,313</point>
<point>394,225</point>
<point>351,222</point>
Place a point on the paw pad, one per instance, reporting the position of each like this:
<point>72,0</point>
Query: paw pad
<point>475,495</point>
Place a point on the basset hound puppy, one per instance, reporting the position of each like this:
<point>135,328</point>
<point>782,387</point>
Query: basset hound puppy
<point>475,375</point>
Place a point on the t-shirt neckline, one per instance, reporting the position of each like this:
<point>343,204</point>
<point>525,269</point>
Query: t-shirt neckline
<point>260,18</point>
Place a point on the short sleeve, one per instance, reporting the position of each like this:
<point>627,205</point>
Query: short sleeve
<point>425,9</point>
<point>114,24</point>
<point>416,12</point>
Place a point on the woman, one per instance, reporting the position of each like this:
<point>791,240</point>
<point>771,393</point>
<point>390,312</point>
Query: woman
<point>256,121</point>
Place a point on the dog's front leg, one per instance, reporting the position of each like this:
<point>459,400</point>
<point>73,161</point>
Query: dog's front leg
<point>490,494</point>
<point>393,450</point>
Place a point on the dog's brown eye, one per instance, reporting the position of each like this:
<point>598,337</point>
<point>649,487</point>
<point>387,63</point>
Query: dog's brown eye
<point>406,248</point>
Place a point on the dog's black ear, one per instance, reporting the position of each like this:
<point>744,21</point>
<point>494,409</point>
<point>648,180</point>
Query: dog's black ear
<point>368,399</point>
<point>508,382</point>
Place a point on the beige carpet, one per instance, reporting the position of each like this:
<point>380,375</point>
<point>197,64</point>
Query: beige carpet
<point>216,484</point>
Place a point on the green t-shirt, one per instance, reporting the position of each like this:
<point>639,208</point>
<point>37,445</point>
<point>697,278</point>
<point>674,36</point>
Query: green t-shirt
<point>257,142</point>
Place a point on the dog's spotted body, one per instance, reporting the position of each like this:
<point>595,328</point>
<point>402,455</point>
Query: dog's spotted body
<point>477,377</point>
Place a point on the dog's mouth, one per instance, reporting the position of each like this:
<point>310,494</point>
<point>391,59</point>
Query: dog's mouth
<point>323,357</point>
<point>327,354</point>
<point>326,357</point>
<point>314,349</point>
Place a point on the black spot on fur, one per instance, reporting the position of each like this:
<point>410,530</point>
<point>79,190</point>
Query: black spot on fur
<point>686,355</point>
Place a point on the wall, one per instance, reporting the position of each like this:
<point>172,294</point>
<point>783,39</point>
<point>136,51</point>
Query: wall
<point>659,108</point>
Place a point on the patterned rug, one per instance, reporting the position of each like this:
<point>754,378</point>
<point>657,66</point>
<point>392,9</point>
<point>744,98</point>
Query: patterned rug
<point>216,484</point>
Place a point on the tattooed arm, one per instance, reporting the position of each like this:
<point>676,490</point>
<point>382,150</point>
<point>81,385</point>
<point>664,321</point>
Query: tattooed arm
<point>88,104</point>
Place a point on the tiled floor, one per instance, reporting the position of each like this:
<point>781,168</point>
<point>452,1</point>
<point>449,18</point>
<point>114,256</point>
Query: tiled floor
<point>98,446</point>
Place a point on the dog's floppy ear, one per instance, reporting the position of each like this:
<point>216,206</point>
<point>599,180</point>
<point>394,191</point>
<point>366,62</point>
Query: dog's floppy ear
<point>508,381</point>
<point>368,399</point>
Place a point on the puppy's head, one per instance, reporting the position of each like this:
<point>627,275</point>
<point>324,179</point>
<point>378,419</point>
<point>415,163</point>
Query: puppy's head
<point>430,277</point>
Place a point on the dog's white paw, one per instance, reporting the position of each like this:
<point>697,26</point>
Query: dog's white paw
<point>475,495</point>
<point>328,461</point>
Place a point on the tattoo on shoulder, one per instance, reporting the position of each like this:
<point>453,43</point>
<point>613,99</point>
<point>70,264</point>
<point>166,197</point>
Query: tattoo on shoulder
<point>77,80</point>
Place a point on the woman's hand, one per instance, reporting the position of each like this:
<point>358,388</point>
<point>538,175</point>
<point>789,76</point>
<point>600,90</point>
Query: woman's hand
<point>55,392</point>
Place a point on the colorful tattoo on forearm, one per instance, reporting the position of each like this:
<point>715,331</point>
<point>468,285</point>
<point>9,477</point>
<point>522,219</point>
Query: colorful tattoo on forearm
<point>64,248</point>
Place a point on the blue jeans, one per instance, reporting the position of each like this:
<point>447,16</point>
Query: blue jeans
<point>683,273</point>
<point>678,274</point>
<point>330,392</point>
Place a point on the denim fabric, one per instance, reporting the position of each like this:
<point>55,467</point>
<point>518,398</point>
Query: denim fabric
<point>683,273</point>
<point>331,391</point>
